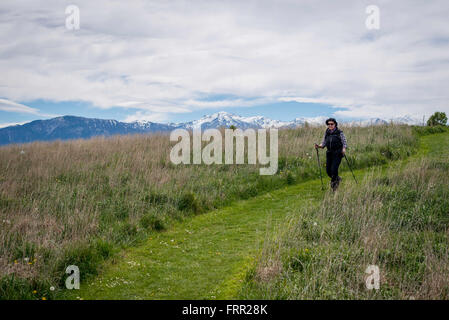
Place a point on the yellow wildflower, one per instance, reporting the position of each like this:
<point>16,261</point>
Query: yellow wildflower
<point>43,298</point>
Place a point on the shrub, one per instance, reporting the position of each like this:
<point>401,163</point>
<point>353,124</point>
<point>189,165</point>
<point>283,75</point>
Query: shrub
<point>104,248</point>
<point>127,230</point>
<point>248,192</point>
<point>188,202</point>
<point>290,179</point>
<point>422,131</point>
<point>83,255</point>
<point>150,221</point>
<point>437,119</point>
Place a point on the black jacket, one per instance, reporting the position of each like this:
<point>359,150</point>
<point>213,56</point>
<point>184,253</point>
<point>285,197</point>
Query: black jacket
<point>333,140</point>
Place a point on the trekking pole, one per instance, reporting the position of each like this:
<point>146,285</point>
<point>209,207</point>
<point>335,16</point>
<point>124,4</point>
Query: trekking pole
<point>350,169</point>
<point>319,166</point>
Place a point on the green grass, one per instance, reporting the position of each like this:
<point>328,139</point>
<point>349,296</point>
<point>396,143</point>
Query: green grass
<point>203,258</point>
<point>397,218</point>
<point>216,255</point>
<point>59,200</point>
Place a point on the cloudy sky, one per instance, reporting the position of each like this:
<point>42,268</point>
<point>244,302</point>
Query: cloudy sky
<point>178,60</point>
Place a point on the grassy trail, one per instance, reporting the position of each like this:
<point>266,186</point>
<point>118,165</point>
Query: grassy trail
<point>207,256</point>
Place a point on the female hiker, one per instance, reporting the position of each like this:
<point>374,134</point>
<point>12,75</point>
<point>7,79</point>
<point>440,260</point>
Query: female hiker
<point>335,142</point>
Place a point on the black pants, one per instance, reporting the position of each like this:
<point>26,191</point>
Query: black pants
<point>333,160</point>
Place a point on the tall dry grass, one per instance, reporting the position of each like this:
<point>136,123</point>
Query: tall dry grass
<point>396,220</point>
<point>79,200</point>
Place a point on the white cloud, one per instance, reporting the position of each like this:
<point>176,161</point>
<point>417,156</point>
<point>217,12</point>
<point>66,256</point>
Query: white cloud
<point>322,100</point>
<point>163,57</point>
<point>11,106</point>
<point>225,103</point>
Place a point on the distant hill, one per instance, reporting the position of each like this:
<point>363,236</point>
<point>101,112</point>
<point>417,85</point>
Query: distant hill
<point>72,127</point>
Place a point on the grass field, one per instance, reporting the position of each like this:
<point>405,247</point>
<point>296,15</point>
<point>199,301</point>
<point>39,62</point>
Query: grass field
<point>119,200</point>
<point>397,219</point>
<point>282,245</point>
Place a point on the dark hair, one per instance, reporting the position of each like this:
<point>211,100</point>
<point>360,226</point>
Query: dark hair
<point>332,119</point>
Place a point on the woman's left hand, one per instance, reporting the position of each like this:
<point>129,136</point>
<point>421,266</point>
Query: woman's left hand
<point>343,152</point>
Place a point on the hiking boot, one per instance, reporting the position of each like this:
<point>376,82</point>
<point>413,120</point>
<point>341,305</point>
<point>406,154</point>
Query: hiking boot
<point>333,185</point>
<point>336,183</point>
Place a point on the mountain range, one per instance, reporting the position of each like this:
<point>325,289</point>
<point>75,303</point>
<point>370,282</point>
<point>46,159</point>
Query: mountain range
<point>73,127</point>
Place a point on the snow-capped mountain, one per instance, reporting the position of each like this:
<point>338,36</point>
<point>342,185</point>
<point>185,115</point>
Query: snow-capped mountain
<point>408,120</point>
<point>217,120</point>
<point>71,127</point>
<point>377,121</point>
<point>366,122</point>
<point>226,119</point>
<point>316,121</point>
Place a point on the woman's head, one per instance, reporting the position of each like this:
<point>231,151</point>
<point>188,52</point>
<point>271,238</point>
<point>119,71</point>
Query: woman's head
<point>331,123</point>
